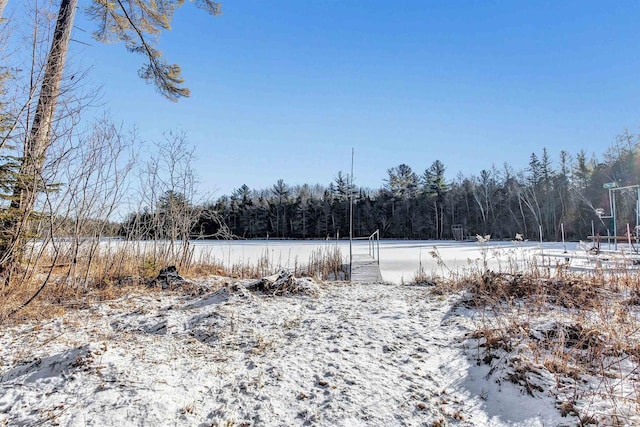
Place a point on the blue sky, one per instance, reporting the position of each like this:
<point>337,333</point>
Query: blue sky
<point>285,89</point>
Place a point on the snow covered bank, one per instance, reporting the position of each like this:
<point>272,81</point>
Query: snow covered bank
<point>493,349</point>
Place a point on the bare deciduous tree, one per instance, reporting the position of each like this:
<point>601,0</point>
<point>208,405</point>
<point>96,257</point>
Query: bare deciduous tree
<point>168,210</point>
<point>131,21</point>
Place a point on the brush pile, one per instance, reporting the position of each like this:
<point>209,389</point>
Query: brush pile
<point>168,278</point>
<point>284,283</point>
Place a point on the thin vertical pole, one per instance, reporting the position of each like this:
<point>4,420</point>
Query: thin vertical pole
<point>615,229</point>
<point>637,229</point>
<point>378,240</point>
<point>629,236</point>
<point>351,217</point>
<point>541,246</point>
<point>562,231</point>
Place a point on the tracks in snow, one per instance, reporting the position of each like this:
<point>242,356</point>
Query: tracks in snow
<point>357,355</point>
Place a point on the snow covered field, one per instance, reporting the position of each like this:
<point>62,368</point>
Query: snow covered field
<point>348,355</point>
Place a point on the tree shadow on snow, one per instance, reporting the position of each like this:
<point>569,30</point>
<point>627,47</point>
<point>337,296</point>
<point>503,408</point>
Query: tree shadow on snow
<point>52,366</point>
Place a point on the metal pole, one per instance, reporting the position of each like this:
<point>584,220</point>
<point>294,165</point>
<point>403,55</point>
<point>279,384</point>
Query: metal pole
<point>351,217</point>
<point>372,248</point>
<point>562,231</point>
<point>541,247</point>
<point>637,229</point>
<point>615,229</point>
<point>378,240</point>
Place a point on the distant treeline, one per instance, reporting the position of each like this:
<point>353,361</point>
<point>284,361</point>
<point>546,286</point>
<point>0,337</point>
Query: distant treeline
<point>410,205</point>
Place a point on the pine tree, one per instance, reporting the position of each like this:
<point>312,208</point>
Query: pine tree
<point>281,192</point>
<point>582,171</point>
<point>402,183</point>
<point>137,23</point>
<point>535,173</point>
<point>435,188</point>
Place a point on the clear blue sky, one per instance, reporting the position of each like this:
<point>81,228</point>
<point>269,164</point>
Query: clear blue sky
<point>285,89</point>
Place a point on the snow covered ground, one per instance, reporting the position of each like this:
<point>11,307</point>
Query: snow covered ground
<point>354,355</point>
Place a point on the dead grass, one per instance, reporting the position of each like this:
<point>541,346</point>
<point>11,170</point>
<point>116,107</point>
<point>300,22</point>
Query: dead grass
<point>53,301</point>
<point>575,336</point>
<point>567,291</point>
<point>326,264</point>
<point>66,280</point>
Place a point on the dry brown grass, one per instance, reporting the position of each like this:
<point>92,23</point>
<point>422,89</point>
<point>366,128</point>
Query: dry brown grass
<point>569,291</point>
<point>325,264</point>
<point>54,300</point>
<point>581,329</point>
<point>75,280</point>
<point>573,335</point>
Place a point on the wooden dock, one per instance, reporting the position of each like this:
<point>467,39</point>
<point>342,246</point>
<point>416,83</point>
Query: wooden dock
<point>365,269</point>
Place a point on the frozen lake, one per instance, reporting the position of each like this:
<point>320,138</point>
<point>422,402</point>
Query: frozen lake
<point>400,260</point>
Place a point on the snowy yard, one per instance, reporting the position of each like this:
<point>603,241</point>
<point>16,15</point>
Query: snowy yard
<point>354,354</point>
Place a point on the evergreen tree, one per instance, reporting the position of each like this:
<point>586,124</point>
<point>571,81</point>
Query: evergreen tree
<point>281,193</point>
<point>501,203</point>
<point>402,185</point>
<point>435,188</point>
<point>582,171</point>
<point>535,172</point>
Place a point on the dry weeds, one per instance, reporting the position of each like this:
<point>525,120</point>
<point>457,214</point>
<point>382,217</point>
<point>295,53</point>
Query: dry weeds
<point>573,335</point>
<point>63,280</point>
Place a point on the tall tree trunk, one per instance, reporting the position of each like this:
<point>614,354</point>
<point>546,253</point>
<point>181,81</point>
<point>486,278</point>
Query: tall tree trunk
<point>3,3</point>
<point>36,145</point>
